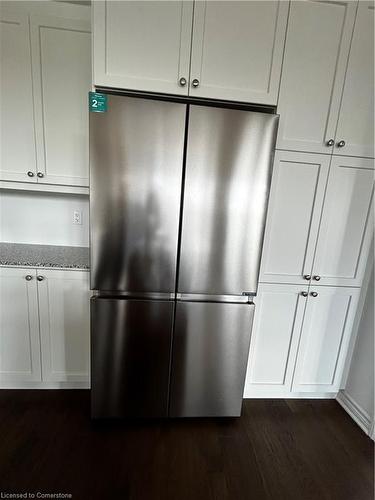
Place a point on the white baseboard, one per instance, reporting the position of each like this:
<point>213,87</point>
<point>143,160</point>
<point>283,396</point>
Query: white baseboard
<point>269,391</point>
<point>44,385</point>
<point>358,414</point>
<point>290,395</point>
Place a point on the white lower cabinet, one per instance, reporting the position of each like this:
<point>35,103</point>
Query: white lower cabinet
<point>19,326</point>
<point>44,320</point>
<point>299,340</point>
<point>277,323</point>
<point>64,325</point>
<point>325,338</point>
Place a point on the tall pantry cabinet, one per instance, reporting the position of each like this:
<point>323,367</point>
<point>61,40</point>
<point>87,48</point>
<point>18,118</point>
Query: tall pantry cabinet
<point>320,223</point>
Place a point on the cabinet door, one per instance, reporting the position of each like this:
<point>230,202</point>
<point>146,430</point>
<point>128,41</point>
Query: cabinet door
<point>61,51</point>
<point>316,53</point>
<point>64,324</point>
<point>19,326</point>
<point>142,45</point>
<point>324,339</point>
<point>277,324</point>
<point>17,144</point>
<point>356,120</point>
<point>297,190</point>
<point>237,50</point>
<point>347,224</point>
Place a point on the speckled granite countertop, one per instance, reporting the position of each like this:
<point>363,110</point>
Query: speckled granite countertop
<point>16,254</point>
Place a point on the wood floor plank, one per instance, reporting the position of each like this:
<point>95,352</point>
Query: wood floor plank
<point>278,449</point>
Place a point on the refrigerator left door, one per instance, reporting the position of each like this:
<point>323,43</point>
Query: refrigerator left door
<point>130,357</point>
<point>136,158</point>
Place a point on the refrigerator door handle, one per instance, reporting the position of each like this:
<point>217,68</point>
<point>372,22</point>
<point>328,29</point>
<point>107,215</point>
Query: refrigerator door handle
<point>200,297</point>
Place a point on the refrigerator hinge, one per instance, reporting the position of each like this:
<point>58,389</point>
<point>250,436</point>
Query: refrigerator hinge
<point>249,296</point>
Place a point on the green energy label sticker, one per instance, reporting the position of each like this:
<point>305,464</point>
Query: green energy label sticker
<point>98,103</point>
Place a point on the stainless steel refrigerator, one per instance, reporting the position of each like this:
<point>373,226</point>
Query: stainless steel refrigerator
<point>178,199</point>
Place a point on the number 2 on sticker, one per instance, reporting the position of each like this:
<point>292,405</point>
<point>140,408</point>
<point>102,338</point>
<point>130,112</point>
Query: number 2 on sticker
<point>94,103</point>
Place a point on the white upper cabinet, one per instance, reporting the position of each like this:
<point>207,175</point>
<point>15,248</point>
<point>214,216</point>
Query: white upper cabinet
<point>356,120</point>
<point>237,50</point>
<point>44,79</point>
<point>324,339</point>
<point>316,54</point>
<point>347,224</point>
<point>19,326</point>
<point>17,142</point>
<point>143,45</point>
<point>64,324</point>
<point>296,199</point>
<point>235,47</point>
<point>61,51</point>
<point>274,339</point>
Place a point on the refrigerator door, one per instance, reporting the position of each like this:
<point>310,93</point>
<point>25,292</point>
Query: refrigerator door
<point>228,174</point>
<point>136,156</point>
<point>210,350</point>
<point>130,357</point>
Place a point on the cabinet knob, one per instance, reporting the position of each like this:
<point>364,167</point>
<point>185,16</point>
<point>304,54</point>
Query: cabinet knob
<point>40,174</point>
<point>330,142</point>
<point>28,277</point>
<point>195,83</point>
<point>40,278</point>
<point>317,278</point>
<point>314,294</point>
<point>341,144</point>
<point>182,81</point>
<point>307,277</point>
<point>304,294</point>
<point>30,173</point>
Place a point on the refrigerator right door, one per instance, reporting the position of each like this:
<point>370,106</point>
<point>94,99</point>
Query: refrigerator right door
<point>227,181</point>
<point>210,349</point>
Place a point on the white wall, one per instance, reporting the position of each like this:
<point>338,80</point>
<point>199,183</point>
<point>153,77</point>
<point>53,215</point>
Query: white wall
<point>43,218</point>
<point>360,382</point>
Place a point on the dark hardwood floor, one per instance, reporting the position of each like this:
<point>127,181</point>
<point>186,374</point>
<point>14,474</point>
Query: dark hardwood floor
<point>278,449</point>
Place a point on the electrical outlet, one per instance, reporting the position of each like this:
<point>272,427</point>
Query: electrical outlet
<point>77,217</point>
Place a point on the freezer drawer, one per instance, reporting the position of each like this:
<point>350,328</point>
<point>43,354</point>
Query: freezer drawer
<point>210,351</point>
<point>136,157</point>
<point>228,174</point>
<point>130,357</point>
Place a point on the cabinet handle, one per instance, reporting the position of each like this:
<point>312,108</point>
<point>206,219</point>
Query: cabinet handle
<point>307,277</point>
<point>28,277</point>
<point>304,294</point>
<point>314,294</point>
<point>195,83</point>
<point>182,81</point>
<point>331,142</point>
<point>40,278</point>
<point>40,174</point>
<point>341,144</point>
<point>317,278</point>
<point>30,173</point>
